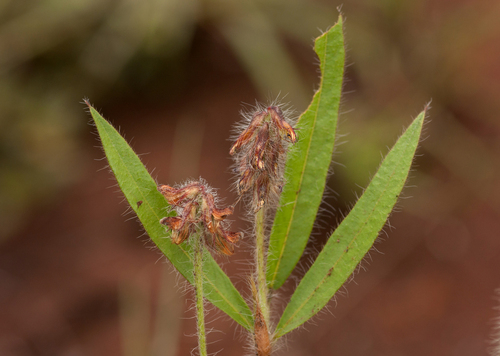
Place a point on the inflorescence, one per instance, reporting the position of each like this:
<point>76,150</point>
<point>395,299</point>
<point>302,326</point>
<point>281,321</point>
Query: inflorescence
<point>259,152</point>
<point>195,206</point>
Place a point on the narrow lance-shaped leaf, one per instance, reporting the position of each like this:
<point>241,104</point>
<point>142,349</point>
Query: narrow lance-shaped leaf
<point>150,206</point>
<point>354,236</point>
<point>308,162</point>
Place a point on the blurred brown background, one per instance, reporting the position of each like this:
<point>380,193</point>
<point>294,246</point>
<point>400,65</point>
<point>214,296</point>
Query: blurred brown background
<point>79,277</point>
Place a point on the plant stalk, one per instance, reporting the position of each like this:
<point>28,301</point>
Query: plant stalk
<point>260,259</point>
<point>198,282</point>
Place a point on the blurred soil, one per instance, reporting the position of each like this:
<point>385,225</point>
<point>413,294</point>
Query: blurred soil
<point>75,278</point>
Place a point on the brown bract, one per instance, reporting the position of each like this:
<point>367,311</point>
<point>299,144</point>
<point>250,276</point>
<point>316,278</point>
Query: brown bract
<point>263,346</point>
<point>196,208</point>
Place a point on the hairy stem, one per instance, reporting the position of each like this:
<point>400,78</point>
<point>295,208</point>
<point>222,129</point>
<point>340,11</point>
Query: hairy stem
<point>260,257</point>
<point>198,283</point>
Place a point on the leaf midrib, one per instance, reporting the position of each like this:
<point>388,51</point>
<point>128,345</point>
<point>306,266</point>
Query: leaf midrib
<point>287,234</point>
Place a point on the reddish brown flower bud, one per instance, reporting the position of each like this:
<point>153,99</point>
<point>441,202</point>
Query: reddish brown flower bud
<point>283,126</point>
<point>172,222</point>
<point>249,132</point>
<point>259,150</point>
<point>221,214</point>
<point>175,196</point>
<point>223,240</point>
<point>246,181</point>
<point>220,244</point>
<point>182,226</point>
<point>233,237</point>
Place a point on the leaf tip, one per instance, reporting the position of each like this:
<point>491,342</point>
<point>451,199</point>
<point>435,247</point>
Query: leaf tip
<point>330,30</point>
<point>87,102</point>
<point>89,107</point>
<point>424,113</point>
<point>340,20</point>
<point>427,107</point>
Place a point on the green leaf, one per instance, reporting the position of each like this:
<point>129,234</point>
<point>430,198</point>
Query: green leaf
<point>138,186</point>
<point>308,162</point>
<point>355,235</point>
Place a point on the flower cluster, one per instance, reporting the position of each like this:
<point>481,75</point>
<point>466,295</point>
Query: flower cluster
<point>259,153</point>
<point>195,205</point>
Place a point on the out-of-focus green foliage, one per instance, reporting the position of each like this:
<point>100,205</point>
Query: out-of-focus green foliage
<point>54,52</point>
<point>399,54</point>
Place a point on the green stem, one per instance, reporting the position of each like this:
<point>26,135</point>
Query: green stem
<point>260,257</point>
<point>198,283</point>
